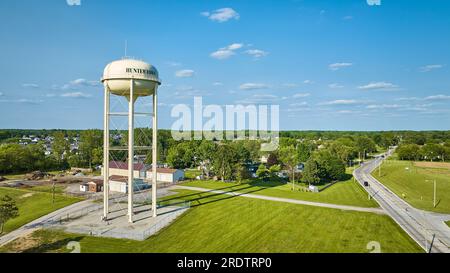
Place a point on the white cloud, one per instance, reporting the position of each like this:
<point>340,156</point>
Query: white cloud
<point>217,84</point>
<point>257,53</point>
<point>408,99</point>
<point>383,106</point>
<point>438,97</point>
<point>76,84</point>
<point>226,52</point>
<point>78,95</point>
<point>428,68</point>
<point>26,101</point>
<point>348,17</point>
<point>379,86</point>
<point>301,95</point>
<point>297,104</point>
<point>259,99</point>
<point>185,73</point>
<point>340,102</point>
<point>337,66</point>
<point>308,82</point>
<point>173,64</point>
<point>30,85</point>
<point>221,15</point>
<point>347,112</point>
<point>253,86</point>
<point>290,85</point>
<point>335,86</point>
<point>432,97</point>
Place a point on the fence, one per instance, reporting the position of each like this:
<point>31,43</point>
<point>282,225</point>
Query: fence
<point>179,207</point>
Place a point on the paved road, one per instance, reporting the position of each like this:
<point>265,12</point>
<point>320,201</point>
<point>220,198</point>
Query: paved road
<point>420,225</point>
<point>285,200</point>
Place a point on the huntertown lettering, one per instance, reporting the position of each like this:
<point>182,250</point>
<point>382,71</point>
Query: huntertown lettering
<point>140,71</point>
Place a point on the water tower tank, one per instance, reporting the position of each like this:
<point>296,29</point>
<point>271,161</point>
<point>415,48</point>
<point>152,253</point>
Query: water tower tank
<point>119,73</point>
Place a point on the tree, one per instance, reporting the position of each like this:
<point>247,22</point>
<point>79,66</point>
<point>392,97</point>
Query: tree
<point>205,153</point>
<point>365,145</point>
<point>89,140</point>
<point>289,157</point>
<point>241,172</point>
<point>60,146</point>
<point>330,166</point>
<point>432,151</point>
<point>311,172</point>
<point>304,150</point>
<point>224,161</point>
<point>274,169</point>
<point>272,159</point>
<point>262,172</point>
<point>182,156</point>
<point>409,152</point>
<point>8,210</point>
<point>342,151</point>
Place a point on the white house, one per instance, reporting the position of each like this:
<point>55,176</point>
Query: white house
<point>166,175</point>
<point>120,168</point>
<point>143,171</point>
<point>119,183</point>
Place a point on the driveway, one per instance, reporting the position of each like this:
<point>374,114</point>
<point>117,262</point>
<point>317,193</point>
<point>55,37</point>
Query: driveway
<point>285,200</point>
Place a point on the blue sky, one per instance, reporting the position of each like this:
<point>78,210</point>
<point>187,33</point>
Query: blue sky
<point>330,65</point>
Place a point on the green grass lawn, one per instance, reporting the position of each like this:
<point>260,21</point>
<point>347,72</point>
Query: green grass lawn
<point>14,176</point>
<point>48,188</point>
<point>448,223</point>
<point>33,205</point>
<point>403,177</point>
<point>192,173</point>
<point>343,193</point>
<point>223,223</point>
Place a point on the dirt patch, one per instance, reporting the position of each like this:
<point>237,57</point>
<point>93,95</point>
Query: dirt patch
<point>438,165</point>
<point>26,195</point>
<point>22,244</point>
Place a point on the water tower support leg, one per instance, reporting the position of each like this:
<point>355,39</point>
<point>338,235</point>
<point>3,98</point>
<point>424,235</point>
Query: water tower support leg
<point>106,155</point>
<point>130,151</point>
<point>154,151</point>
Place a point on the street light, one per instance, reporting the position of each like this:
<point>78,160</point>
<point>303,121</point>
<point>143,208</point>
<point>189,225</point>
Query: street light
<point>434,191</point>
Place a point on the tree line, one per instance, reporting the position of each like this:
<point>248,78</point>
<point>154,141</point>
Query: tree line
<point>325,154</point>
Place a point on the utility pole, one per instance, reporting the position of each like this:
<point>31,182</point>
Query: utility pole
<point>434,191</point>
<point>434,195</point>
<point>53,192</point>
<point>379,168</point>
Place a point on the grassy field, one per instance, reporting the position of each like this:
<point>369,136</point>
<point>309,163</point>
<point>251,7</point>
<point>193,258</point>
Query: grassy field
<point>33,205</point>
<point>409,179</point>
<point>448,223</point>
<point>223,223</point>
<point>342,193</point>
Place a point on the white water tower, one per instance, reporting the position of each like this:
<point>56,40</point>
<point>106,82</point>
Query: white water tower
<point>131,79</point>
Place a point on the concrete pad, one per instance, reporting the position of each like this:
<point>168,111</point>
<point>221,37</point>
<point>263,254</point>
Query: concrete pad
<point>117,225</point>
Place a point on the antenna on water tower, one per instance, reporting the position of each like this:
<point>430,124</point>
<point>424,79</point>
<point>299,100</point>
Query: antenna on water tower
<point>126,48</point>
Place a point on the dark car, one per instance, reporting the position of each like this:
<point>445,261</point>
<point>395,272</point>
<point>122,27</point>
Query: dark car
<point>366,184</point>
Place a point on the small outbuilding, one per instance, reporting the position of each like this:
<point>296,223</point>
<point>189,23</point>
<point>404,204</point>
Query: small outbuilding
<point>84,187</point>
<point>166,175</point>
<point>119,183</point>
<point>95,185</point>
